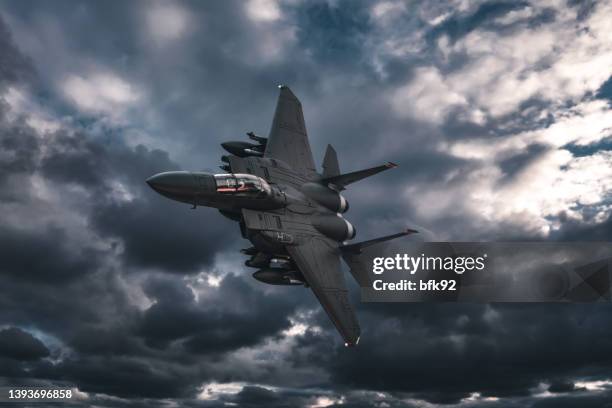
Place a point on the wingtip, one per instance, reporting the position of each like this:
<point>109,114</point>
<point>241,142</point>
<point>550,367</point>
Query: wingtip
<point>391,165</point>
<point>411,231</point>
<point>286,92</point>
<point>351,342</point>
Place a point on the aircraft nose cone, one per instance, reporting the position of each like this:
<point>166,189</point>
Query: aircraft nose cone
<point>157,181</point>
<point>173,182</point>
<point>151,181</point>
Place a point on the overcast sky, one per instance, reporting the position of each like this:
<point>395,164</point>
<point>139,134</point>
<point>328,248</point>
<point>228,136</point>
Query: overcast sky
<point>498,114</point>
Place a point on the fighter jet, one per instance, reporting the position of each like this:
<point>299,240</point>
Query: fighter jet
<point>291,213</point>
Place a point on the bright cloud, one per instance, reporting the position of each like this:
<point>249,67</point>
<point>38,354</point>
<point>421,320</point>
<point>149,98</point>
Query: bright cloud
<point>213,391</point>
<point>554,182</point>
<point>167,22</point>
<point>386,9</point>
<point>263,10</point>
<point>36,116</point>
<point>426,96</point>
<point>506,70</point>
<point>104,93</point>
<point>272,33</point>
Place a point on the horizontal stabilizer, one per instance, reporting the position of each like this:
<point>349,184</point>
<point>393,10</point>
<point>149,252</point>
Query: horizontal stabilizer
<point>356,261</point>
<point>343,180</point>
<point>359,246</point>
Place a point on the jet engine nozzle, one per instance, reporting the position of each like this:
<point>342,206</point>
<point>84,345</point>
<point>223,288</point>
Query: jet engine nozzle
<point>325,196</point>
<point>334,227</point>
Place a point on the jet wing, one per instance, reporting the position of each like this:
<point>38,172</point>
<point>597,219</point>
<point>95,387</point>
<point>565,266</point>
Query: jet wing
<point>319,262</point>
<point>288,140</point>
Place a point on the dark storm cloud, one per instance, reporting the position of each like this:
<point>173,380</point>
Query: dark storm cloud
<point>21,345</point>
<point>334,33</point>
<point>211,86</point>
<point>212,329</point>
<point>106,341</point>
<point>174,242</point>
<point>72,157</point>
<point>573,231</point>
<point>17,141</point>
<point>123,377</point>
<point>171,242</point>
<point>131,355</point>
<point>87,309</point>
<point>20,147</point>
<point>563,386</point>
<point>156,354</point>
<point>43,256</point>
<point>75,159</point>
<point>257,396</point>
<point>14,66</point>
<point>519,161</point>
<point>600,399</point>
<point>443,353</point>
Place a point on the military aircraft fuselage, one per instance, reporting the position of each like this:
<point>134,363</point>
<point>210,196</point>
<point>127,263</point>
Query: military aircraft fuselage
<point>232,193</point>
<point>290,212</point>
<point>229,192</point>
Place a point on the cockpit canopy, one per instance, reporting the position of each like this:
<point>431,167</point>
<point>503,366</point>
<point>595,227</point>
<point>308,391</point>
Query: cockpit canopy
<point>246,185</point>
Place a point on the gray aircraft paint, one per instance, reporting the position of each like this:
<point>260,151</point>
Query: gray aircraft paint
<point>289,211</point>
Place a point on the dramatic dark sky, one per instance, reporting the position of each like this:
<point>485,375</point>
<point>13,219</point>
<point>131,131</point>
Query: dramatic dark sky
<point>497,112</point>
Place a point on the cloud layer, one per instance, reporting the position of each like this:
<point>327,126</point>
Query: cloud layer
<point>498,114</point>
